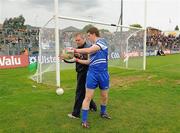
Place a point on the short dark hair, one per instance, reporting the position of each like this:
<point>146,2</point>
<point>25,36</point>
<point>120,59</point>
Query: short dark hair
<point>79,34</point>
<point>94,30</point>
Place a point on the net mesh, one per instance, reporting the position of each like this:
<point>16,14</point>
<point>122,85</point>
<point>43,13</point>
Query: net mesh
<point>46,70</point>
<point>125,44</point>
<point>125,47</point>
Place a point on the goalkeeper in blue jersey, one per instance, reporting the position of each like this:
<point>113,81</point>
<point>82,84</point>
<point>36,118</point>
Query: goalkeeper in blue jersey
<point>97,75</point>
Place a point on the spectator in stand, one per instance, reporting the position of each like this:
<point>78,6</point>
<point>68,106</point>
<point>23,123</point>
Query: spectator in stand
<point>25,51</point>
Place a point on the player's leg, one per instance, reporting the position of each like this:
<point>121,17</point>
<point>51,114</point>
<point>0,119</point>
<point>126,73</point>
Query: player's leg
<point>104,100</point>
<point>104,86</point>
<point>91,84</point>
<point>104,97</point>
<point>85,106</point>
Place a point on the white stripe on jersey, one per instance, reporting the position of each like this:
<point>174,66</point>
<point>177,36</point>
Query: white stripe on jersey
<point>98,61</point>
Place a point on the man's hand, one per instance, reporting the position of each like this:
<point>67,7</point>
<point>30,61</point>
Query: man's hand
<point>73,60</point>
<point>77,55</point>
<point>71,50</point>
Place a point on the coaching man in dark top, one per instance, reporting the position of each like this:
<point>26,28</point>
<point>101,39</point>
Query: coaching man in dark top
<point>81,79</point>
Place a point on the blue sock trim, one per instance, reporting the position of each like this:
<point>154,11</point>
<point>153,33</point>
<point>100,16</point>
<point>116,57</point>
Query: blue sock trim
<point>84,115</point>
<point>103,109</point>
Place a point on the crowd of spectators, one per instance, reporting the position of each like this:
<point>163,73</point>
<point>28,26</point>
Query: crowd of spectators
<point>117,40</point>
<point>162,41</point>
<point>14,41</point>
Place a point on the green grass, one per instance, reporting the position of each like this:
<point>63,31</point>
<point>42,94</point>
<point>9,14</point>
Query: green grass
<point>132,63</point>
<point>139,101</point>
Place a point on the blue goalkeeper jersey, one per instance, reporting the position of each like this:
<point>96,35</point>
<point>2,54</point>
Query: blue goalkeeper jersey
<point>99,59</point>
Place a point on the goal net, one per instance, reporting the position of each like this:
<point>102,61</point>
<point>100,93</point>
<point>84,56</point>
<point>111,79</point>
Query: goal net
<point>46,60</point>
<point>125,45</point>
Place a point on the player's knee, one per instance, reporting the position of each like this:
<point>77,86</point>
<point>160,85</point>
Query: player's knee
<point>104,95</point>
<point>87,99</point>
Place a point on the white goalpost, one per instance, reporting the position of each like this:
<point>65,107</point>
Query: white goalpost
<point>127,48</point>
<point>57,44</point>
<point>48,59</point>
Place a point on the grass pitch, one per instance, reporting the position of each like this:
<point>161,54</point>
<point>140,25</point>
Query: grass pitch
<point>139,101</point>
